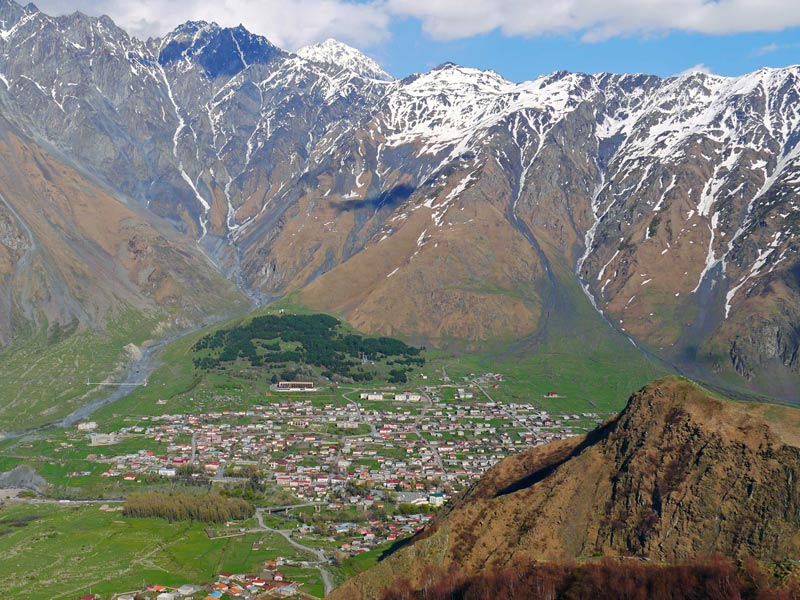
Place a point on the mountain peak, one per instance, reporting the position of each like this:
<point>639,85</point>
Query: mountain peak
<point>219,51</point>
<point>334,52</point>
<point>11,13</point>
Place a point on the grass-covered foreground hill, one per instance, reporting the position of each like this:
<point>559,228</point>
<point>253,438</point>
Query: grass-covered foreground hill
<point>55,551</point>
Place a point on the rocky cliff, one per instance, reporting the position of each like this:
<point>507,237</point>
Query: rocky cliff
<point>72,255</point>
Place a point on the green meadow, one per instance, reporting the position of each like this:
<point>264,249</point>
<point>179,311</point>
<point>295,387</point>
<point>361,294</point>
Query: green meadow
<point>45,378</point>
<point>53,551</point>
<point>579,357</point>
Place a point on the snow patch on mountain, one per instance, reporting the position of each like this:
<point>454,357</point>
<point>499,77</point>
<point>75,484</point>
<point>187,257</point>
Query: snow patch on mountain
<point>333,52</point>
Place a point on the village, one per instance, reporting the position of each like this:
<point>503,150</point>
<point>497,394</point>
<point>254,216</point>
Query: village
<point>270,583</point>
<point>346,473</point>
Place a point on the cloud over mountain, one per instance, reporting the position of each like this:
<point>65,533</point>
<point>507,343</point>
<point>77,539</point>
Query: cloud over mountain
<point>301,23</point>
<point>369,22</point>
<point>597,19</point>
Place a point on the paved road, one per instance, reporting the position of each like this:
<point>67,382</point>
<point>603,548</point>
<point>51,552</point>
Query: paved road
<point>431,446</point>
<point>372,428</point>
<point>327,578</point>
<point>275,509</point>
<point>512,417</point>
<point>86,501</point>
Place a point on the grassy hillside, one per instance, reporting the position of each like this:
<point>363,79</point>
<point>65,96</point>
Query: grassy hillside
<point>45,377</point>
<point>576,354</point>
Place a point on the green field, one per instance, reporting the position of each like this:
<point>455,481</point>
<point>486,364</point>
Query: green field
<point>45,377</point>
<point>53,551</point>
<point>578,356</point>
<point>361,562</point>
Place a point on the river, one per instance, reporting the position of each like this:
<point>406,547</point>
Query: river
<point>138,372</point>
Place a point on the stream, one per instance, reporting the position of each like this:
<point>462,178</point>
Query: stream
<point>137,373</point>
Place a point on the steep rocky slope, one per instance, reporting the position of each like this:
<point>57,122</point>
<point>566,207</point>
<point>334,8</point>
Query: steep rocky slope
<point>471,198</point>
<point>73,256</point>
<point>678,475</point>
<point>87,280</point>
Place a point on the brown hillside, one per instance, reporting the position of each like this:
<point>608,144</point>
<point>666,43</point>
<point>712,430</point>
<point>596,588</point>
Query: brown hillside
<point>470,280</point>
<point>677,476</point>
<point>72,253</point>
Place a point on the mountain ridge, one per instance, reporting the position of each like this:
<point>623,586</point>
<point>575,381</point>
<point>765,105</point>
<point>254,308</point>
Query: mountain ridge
<point>671,200</point>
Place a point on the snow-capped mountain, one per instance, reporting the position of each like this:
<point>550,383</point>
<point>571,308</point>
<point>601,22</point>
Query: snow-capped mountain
<point>334,53</point>
<point>672,202</point>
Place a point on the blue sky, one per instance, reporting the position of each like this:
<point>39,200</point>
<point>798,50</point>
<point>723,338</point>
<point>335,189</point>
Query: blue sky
<point>519,58</point>
<point>520,39</point>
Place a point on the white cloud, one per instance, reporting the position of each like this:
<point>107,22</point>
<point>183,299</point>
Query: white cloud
<point>773,47</point>
<point>596,20</point>
<point>287,23</point>
<point>293,23</point>
<point>698,68</point>
<point>768,49</point>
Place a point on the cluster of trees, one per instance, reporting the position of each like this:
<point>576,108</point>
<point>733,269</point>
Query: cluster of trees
<point>714,579</point>
<point>375,348</point>
<point>398,376</point>
<point>209,508</point>
<point>252,489</point>
<point>360,375</point>
<point>277,341</point>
